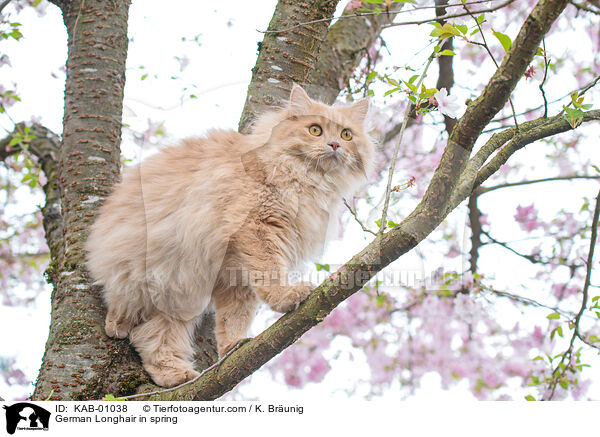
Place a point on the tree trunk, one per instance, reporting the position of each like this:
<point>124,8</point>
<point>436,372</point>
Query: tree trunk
<point>288,54</point>
<point>79,361</point>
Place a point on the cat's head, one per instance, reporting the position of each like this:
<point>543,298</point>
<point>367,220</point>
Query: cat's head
<point>329,140</point>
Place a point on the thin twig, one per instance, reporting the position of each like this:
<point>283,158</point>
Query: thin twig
<point>4,4</point>
<point>407,112</point>
<point>353,212</point>
<point>485,44</point>
<point>541,86</point>
<point>484,190</point>
<point>531,258</point>
<point>576,334</point>
<point>404,11</point>
<point>590,258</point>
<point>528,301</point>
<point>445,17</point>
<point>585,8</point>
<point>581,91</point>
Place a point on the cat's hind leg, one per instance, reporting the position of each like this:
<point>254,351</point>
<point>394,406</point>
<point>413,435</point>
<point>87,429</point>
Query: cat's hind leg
<point>235,308</point>
<point>165,346</point>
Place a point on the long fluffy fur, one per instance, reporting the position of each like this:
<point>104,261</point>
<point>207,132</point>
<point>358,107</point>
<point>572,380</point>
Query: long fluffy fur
<point>181,228</point>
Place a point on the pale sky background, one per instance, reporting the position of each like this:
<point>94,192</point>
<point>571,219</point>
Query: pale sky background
<point>218,74</point>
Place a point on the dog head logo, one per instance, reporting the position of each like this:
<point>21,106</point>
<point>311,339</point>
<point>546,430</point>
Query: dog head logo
<point>26,416</point>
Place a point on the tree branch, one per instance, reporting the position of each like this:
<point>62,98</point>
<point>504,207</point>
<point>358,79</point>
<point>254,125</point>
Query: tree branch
<point>476,231</point>
<point>446,16</point>
<point>509,141</point>
<point>538,129</point>
<point>386,248</point>
<point>4,4</point>
<point>44,145</point>
<point>484,190</point>
<point>561,369</point>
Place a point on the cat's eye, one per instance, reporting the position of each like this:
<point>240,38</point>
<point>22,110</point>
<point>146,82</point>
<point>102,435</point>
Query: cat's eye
<point>346,134</point>
<point>315,130</point>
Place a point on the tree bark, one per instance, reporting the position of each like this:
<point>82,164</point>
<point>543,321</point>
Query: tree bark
<point>286,56</point>
<point>79,361</point>
<point>347,44</point>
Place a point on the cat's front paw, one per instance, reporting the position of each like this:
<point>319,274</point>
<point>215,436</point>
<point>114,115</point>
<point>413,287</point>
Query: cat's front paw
<point>170,375</point>
<point>116,327</point>
<point>292,297</point>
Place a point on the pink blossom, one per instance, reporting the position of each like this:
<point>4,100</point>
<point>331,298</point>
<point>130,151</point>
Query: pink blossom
<point>354,4</point>
<point>446,103</point>
<point>561,291</point>
<point>581,389</point>
<point>527,217</point>
<point>318,370</point>
<point>292,379</point>
<point>537,336</point>
<point>453,252</point>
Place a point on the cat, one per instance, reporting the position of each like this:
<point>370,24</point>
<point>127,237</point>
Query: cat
<point>220,221</point>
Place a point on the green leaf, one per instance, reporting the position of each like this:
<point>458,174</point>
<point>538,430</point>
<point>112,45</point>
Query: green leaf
<point>112,398</point>
<point>447,53</point>
<point>462,27</point>
<point>322,267</point>
<point>14,141</point>
<point>529,398</point>
<point>393,90</point>
<point>392,81</point>
<point>481,19</point>
<point>446,31</point>
<point>411,87</point>
<point>504,40</point>
<point>372,75</point>
<point>553,316</point>
<point>574,96</point>
<point>574,116</point>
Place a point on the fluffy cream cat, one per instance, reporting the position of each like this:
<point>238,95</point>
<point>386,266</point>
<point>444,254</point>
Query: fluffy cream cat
<point>223,219</point>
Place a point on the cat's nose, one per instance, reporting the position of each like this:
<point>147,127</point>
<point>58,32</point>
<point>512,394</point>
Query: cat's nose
<point>334,145</point>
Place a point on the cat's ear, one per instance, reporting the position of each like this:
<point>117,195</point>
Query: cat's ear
<point>360,109</point>
<point>299,100</point>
